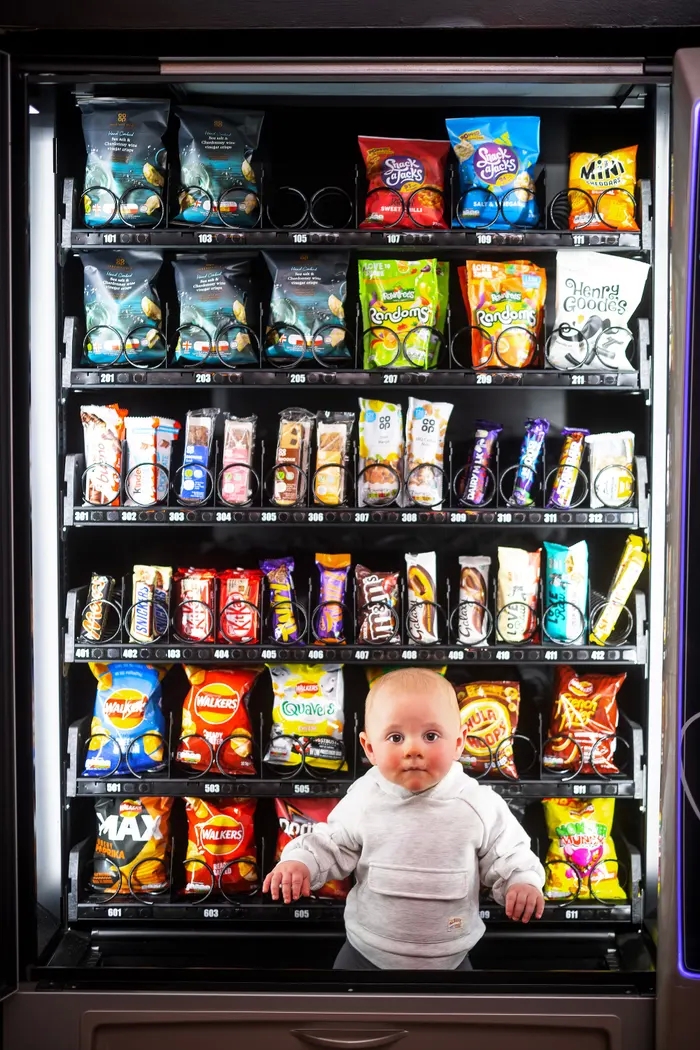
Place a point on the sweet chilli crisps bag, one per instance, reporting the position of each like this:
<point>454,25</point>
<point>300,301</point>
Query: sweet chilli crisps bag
<point>307,716</point>
<point>132,849</point>
<point>298,817</point>
<point>583,723</point>
<point>489,711</point>
<point>216,731</point>
<point>222,837</point>
<point>127,735</point>
<point>581,859</point>
<point>402,311</point>
<point>406,183</point>
<point>607,182</point>
<point>505,306</point>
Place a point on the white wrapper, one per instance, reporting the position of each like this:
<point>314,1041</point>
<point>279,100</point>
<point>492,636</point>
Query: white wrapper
<point>381,442</point>
<point>610,467</point>
<point>473,587</point>
<point>426,426</point>
<point>517,594</point>
<point>421,573</point>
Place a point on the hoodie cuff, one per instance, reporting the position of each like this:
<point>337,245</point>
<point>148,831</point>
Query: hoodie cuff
<point>303,856</point>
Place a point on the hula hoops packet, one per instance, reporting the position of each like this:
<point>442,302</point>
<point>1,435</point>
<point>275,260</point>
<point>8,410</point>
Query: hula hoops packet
<point>122,307</point>
<point>496,158</point>
<point>403,308</point>
<point>308,300</point>
<point>214,294</point>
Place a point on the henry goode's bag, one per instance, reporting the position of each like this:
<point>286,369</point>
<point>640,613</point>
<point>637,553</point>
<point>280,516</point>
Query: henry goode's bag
<point>308,300</point>
<point>581,859</point>
<point>218,181</point>
<point>128,726</point>
<point>308,706</point>
<point>300,816</point>
<point>214,295</point>
<point>132,849</point>
<point>122,307</point>
<point>126,160</point>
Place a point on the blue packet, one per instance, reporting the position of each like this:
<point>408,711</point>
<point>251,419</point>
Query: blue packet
<point>496,158</point>
<point>128,724</point>
<point>196,481</point>
<point>214,293</point>
<point>123,314</point>
<point>530,451</point>
<point>565,617</point>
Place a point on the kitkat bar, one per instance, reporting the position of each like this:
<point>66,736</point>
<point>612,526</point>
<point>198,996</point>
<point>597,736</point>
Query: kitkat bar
<point>377,601</point>
<point>239,606</point>
<point>195,609</point>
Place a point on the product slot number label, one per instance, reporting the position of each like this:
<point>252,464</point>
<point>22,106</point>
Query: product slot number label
<point>362,654</point>
<point>302,789</point>
<point>297,378</point>
<point>211,913</point>
<point>114,913</point>
<point>106,377</point>
<point>268,654</point>
<point>212,789</point>
<point>268,515</point>
<point>223,515</point>
<point>113,789</point>
<point>316,654</point>
<point>302,913</point>
<point>203,377</point>
<point>316,515</point>
<point>81,515</point>
<point>82,654</point>
<point>455,654</point>
<point>130,654</point>
<point>128,515</point>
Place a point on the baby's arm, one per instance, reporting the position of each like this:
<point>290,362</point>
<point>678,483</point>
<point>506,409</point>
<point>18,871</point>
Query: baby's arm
<point>507,865</point>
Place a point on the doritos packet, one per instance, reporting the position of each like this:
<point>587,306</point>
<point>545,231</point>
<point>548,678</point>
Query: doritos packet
<point>489,712</point>
<point>307,713</point>
<point>132,849</point>
<point>583,723</point>
<point>581,859</point>
<point>222,839</point>
<point>607,183</point>
<point>127,735</point>
<point>298,817</point>
<point>216,731</point>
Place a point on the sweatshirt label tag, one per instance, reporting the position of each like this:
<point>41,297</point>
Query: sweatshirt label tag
<point>455,924</point>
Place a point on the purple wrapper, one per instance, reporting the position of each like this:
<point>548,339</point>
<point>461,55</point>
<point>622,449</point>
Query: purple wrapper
<point>333,572</point>
<point>475,477</point>
<point>279,578</point>
<point>569,465</point>
<point>535,433</point>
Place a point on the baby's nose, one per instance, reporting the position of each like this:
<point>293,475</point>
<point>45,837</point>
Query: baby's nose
<point>413,746</point>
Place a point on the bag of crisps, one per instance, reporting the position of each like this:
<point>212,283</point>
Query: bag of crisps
<point>308,715</point>
<point>489,711</point>
<point>299,816</point>
<point>607,181</point>
<point>132,848</point>
<point>581,859</point>
<point>223,838</point>
<point>582,724</point>
<point>505,306</point>
<point>216,732</point>
<point>406,183</point>
<point>402,311</point>
<point>127,735</point>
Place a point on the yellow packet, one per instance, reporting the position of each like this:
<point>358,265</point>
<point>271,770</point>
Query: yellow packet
<point>581,859</point>
<point>626,575</point>
<point>609,180</point>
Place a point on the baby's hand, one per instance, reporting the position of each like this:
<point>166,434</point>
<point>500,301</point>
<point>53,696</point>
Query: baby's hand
<point>292,877</point>
<point>524,900</point>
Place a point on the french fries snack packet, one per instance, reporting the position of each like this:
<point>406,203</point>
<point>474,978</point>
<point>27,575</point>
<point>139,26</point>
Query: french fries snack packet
<point>214,295</point>
<point>123,316</point>
<point>421,580</point>
<point>426,427</point>
<point>505,306</point>
<point>127,735</point>
<point>581,859</point>
<point>610,465</point>
<point>333,435</point>
<point>628,571</point>
<point>222,837</point>
<point>307,711</point>
<point>298,817</point>
<point>406,183</point>
<point>517,593</point>
<point>103,434</point>
<point>474,621</point>
<point>607,181</point>
<point>489,711</point>
<point>132,849</point>
<point>380,474</point>
<point>583,723</point>
<point>216,732</point>
<point>401,311</point>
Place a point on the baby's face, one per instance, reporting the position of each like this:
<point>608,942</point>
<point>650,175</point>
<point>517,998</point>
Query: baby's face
<point>413,738</point>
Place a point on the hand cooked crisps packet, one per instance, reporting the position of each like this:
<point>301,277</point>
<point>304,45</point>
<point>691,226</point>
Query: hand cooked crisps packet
<point>306,319</point>
<point>404,307</point>
<point>489,712</point>
<point>299,817</point>
<point>222,839</point>
<point>505,306</point>
<point>496,158</point>
<point>127,735</point>
<point>308,715</point>
<point>607,182</point>
<point>581,859</point>
<point>406,183</point>
<point>583,723</point>
<point>132,849</point>
<point>216,731</point>
<point>380,474</point>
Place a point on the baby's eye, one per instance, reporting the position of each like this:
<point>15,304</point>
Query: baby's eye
<point>432,736</point>
<point>395,738</point>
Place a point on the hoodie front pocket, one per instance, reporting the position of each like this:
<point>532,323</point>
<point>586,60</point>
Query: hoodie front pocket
<point>421,883</point>
<point>413,906</point>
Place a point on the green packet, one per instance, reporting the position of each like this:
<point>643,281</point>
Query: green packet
<point>404,306</point>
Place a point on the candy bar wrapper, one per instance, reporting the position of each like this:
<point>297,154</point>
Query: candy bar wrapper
<point>518,582</point>
<point>162,587</point>
<point>611,487</point>
<point>279,578</point>
<point>142,599</point>
<point>103,433</point>
<point>530,450</point>
<point>292,456</point>
<point>377,602</point>
<point>149,442</point>
<point>475,479</point>
<point>426,426</point>
<point>570,461</point>
<point>239,606</point>
<point>239,445</point>
<point>195,481</point>
<point>421,576</point>
<point>565,617</point>
<point>473,588</point>
<point>195,610</point>
<point>381,453</point>
<point>333,434</point>
<point>96,611</point>
<point>626,575</point>
<point>333,572</point>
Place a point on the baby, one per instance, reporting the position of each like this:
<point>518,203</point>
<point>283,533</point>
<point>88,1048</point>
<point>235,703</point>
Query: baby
<point>420,837</point>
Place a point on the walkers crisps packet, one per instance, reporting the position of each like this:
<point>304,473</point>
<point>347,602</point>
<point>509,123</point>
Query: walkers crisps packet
<point>581,859</point>
<point>298,817</point>
<point>307,713</point>
<point>132,849</point>
<point>406,183</point>
<point>216,731</point>
<point>402,311</point>
<point>223,838</point>
<point>607,181</point>
<point>505,306</point>
<point>583,723</point>
<point>128,725</point>
<point>489,711</point>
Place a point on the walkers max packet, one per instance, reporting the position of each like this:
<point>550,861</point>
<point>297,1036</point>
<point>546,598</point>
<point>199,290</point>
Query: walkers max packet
<point>126,160</point>
<point>132,849</point>
<point>489,712</point>
<point>565,616</point>
<point>214,294</point>
<point>607,182</point>
<point>404,307</point>
<point>426,427</point>
<point>583,723</point>
<point>218,182</point>
<point>127,735</point>
<point>103,434</point>
<point>307,308</point>
<point>123,315</point>
<point>380,472</point>
<point>581,859</point>
<point>307,713</point>
<point>496,158</point>
<point>222,839</point>
<point>505,307</point>
<point>299,817</point>
<point>406,183</point>
<point>216,731</point>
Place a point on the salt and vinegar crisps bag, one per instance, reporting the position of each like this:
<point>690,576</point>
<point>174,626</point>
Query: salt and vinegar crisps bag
<point>127,735</point>
<point>608,180</point>
<point>426,426</point>
<point>406,183</point>
<point>380,476</point>
<point>496,158</point>
<point>122,308</point>
<point>581,859</point>
<point>216,732</point>
<point>489,712</point>
<point>583,723</point>
<point>222,836</point>
<point>299,817</point>
<point>505,306</point>
<point>214,292</point>
<point>308,301</point>
<point>402,311</point>
<point>308,706</point>
<point>132,849</point>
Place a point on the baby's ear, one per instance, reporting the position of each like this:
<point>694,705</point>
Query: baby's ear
<point>367,747</point>
<point>461,740</point>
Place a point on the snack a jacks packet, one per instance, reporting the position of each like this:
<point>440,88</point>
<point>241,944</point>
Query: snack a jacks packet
<point>406,183</point>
